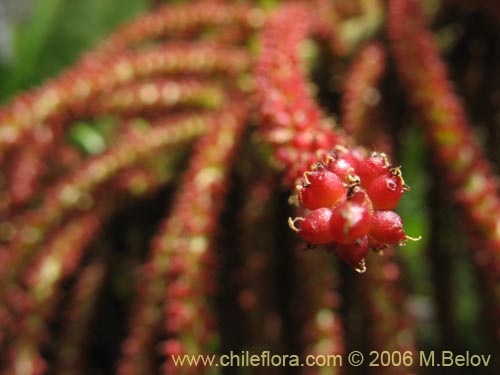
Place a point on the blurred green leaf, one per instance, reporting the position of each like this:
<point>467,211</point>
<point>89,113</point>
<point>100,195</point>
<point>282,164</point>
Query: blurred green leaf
<point>29,42</point>
<point>413,207</point>
<point>57,32</point>
<point>87,138</point>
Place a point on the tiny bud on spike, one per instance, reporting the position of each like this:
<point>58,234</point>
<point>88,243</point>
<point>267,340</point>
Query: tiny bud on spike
<point>321,188</point>
<point>372,167</point>
<point>349,222</point>
<point>386,191</point>
<point>387,227</point>
<point>354,254</point>
<point>315,227</point>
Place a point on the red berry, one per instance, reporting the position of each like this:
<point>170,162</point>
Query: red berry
<point>387,227</point>
<point>361,197</point>
<point>354,254</point>
<point>385,191</point>
<point>315,228</point>
<point>372,167</point>
<point>349,222</point>
<point>345,164</point>
<point>342,168</point>
<point>323,190</point>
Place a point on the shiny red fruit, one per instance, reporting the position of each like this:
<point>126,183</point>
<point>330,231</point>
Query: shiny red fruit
<point>353,254</point>
<point>361,197</point>
<point>344,165</point>
<point>315,228</point>
<point>322,189</point>
<point>386,191</point>
<point>387,227</point>
<point>372,167</point>
<point>350,221</point>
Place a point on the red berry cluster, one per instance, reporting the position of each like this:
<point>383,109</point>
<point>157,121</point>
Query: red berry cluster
<point>350,197</point>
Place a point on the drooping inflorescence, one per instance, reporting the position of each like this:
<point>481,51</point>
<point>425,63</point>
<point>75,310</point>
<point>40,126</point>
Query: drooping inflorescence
<point>212,267</point>
<point>342,187</point>
<point>456,149</point>
<point>449,132</point>
<point>181,265</point>
<point>111,80</point>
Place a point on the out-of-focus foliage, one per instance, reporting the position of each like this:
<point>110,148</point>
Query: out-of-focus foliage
<point>53,32</point>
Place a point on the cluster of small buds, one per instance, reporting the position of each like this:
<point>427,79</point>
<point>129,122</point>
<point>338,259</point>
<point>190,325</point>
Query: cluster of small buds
<point>291,120</point>
<point>350,198</point>
<point>293,123</point>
